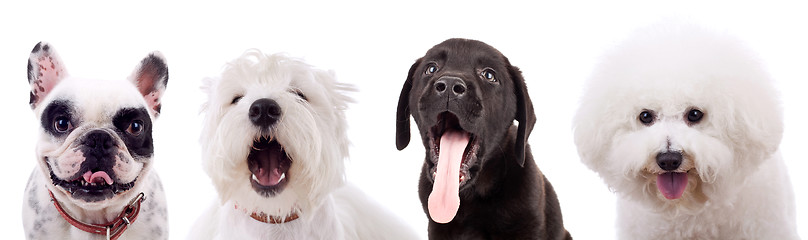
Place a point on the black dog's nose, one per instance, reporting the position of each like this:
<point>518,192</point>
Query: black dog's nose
<point>457,85</point>
<point>264,112</point>
<point>99,139</point>
<point>669,161</point>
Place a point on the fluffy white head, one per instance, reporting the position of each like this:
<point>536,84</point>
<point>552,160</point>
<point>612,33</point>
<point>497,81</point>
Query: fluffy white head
<point>311,130</point>
<point>669,70</point>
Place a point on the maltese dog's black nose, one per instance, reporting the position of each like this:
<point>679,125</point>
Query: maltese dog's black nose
<point>264,112</point>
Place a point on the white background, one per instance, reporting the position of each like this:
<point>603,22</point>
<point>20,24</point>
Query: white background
<point>372,45</point>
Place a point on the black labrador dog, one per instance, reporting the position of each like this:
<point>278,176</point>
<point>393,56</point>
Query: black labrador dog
<point>479,180</point>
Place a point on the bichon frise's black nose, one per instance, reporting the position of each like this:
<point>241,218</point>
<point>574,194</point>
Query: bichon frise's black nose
<point>669,161</point>
<point>264,112</point>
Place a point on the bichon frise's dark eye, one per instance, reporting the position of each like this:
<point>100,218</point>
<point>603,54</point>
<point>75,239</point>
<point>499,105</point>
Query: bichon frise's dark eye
<point>694,116</point>
<point>647,117</point>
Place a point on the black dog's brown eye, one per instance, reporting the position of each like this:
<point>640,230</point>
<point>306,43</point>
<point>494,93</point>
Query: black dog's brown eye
<point>431,68</point>
<point>236,99</point>
<point>135,128</point>
<point>489,74</point>
<point>62,124</point>
<point>646,117</point>
<point>694,116</point>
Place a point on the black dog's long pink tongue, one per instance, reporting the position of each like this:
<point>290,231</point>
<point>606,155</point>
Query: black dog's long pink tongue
<point>672,184</point>
<point>97,177</point>
<point>445,199</point>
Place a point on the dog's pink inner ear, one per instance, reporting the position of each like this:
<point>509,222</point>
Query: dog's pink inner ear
<point>145,84</point>
<point>150,81</point>
<point>50,73</point>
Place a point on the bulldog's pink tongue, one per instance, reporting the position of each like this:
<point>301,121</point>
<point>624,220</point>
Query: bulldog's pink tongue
<point>672,184</point>
<point>444,200</point>
<point>97,177</point>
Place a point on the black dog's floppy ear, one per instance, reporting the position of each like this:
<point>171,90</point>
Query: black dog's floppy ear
<point>524,113</point>
<point>403,112</point>
<point>45,71</point>
<point>151,77</point>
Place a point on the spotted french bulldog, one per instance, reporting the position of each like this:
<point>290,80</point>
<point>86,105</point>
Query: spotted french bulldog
<point>94,153</point>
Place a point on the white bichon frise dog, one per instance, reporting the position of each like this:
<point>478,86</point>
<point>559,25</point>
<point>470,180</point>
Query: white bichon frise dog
<point>684,125</point>
<point>274,144</point>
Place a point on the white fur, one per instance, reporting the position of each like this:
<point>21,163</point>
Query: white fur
<point>94,103</point>
<point>312,132</point>
<point>738,187</point>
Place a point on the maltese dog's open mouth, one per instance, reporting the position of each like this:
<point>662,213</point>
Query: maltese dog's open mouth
<point>269,165</point>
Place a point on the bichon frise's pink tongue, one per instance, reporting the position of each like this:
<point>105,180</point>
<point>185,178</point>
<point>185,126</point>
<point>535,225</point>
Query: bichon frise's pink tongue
<point>97,177</point>
<point>445,199</point>
<point>672,184</point>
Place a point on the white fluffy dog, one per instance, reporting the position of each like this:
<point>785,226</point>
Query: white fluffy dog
<point>274,144</point>
<point>684,125</point>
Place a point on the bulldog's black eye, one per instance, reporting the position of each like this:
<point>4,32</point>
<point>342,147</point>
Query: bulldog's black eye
<point>694,116</point>
<point>236,99</point>
<point>135,128</point>
<point>489,74</point>
<point>647,117</point>
<point>431,68</point>
<point>62,124</point>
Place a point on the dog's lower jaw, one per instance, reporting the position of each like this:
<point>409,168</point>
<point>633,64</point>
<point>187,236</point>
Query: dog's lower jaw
<point>738,214</point>
<point>42,221</point>
<point>233,223</point>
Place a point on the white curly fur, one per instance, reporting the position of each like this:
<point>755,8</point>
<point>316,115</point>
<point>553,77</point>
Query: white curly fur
<point>738,186</point>
<point>313,134</point>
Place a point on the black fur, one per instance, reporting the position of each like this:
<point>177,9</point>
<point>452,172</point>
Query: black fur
<point>140,146</point>
<point>57,108</point>
<point>505,195</point>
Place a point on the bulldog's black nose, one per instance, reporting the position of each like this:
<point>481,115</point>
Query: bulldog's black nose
<point>669,161</point>
<point>456,84</point>
<point>264,112</point>
<point>98,140</point>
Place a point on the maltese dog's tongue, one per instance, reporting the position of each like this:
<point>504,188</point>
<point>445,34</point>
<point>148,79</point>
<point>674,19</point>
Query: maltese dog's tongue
<point>269,172</point>
<point>97,177</point>
<point>445,200</point>
<point>672,184</point>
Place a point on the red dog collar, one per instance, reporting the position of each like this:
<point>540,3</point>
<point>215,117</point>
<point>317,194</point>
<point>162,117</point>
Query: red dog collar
<point>264,218</point>
<point>112,229</point>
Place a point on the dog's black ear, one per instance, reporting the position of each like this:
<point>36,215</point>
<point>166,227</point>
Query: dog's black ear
<point>524,113</point>
<point>151,79</point>
<point>45,71</point>
<point>403,111</point>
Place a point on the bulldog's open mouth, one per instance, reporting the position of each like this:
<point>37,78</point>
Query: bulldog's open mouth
<point>454,150</point>
<point>269,165</point>
<point>92,186</point>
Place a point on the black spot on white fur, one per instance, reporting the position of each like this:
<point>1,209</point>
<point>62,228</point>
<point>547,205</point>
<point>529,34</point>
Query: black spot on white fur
<point>140,146</point>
